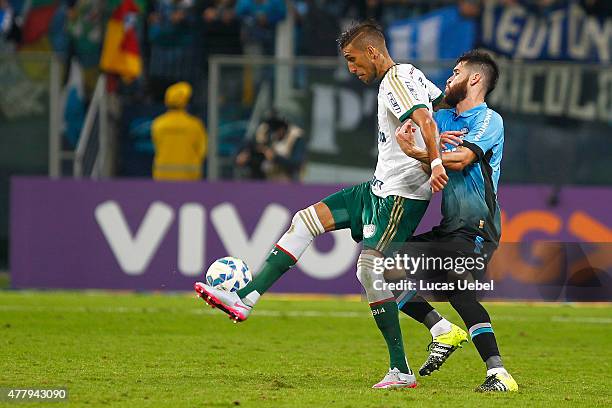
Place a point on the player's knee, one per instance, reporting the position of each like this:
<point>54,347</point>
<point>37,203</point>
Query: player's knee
<point>367,271</point>
<point>371,278</point>
<point>460,298</point>
<point>306,222</point>
<point>304,228</point>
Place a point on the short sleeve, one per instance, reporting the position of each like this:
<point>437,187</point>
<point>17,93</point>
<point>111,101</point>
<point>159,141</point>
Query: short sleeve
<point>435,94</point>
<point>404,95</point>
<point>486,133</point>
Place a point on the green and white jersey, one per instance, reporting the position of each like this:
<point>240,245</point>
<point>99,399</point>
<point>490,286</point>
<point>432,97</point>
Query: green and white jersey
<point>402,90</point>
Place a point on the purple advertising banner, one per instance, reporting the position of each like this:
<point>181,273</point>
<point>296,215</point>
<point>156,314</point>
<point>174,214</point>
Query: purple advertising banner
<point>145,235</point>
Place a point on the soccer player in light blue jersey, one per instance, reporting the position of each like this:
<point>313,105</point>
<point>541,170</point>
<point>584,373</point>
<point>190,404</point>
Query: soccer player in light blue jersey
<point>472,137</point>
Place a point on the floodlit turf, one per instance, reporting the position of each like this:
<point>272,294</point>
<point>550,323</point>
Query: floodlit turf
<point>4,280</point>
<point>171,351</point>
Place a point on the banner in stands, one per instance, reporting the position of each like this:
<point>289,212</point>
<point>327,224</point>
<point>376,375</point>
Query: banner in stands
<point>432,36</point>
<point>561,32</point>
<point>551,111</point>
<point>143,235</point>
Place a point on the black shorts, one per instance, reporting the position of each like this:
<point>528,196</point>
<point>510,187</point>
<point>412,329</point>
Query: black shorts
<point>448,256</point>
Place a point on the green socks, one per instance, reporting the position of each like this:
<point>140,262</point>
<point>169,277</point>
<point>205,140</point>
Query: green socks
<point>386,314</point>
<point>387,319</point>
<point>277,263</point>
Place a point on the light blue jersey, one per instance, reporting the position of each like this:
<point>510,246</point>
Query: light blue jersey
<point>469,202</point>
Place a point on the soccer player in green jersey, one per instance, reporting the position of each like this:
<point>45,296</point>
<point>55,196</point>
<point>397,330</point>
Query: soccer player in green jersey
<point>379,213</point>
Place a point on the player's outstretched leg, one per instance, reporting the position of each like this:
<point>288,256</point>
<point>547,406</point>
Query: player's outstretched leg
<point>446,336</point>
<point>386,314</point>
<point>305,226</point>
<point>478,321</point>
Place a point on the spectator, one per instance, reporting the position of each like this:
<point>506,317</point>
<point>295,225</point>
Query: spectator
<point>6,17</point>
<point>221,28</point>
<point>597,7</point>
<point>171,39</point>
<point>470,8</point>
<point>370,9</point>
<point>319,25</point>
<point>179,138</point>
<point>259,19</point>
<point>170,21</point>
<point>9,30</point>
<point>277,153</point>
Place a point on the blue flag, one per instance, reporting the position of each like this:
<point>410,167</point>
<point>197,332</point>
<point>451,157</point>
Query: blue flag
<point>441,34</point>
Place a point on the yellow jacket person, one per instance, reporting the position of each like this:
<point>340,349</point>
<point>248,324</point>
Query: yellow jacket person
<point>179,138</point>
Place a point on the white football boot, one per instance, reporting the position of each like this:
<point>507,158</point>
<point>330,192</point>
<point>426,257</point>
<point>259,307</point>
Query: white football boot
<point>229,302</point>
<point>397,379</point>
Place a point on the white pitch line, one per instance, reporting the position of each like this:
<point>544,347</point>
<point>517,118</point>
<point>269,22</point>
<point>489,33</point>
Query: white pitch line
<point>200,311</point>
<point>273,313</point>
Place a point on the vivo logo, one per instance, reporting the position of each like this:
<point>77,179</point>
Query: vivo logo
<point>134,250</point>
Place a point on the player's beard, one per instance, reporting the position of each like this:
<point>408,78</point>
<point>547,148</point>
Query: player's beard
<point>456,93</point>
<point>370,75</point>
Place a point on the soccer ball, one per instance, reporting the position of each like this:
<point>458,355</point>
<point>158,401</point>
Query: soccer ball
<point>229,274</point>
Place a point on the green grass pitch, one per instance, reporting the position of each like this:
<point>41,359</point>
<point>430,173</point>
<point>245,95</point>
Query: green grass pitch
<point>146,350</point>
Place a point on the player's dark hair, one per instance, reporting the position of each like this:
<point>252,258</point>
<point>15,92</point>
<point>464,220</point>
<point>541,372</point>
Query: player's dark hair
<point>369,28</point>
<point>485,63</point>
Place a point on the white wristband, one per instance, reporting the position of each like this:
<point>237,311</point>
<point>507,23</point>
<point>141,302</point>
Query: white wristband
<point>436,162</point>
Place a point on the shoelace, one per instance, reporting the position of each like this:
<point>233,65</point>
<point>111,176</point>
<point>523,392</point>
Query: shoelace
<point>442,349</point>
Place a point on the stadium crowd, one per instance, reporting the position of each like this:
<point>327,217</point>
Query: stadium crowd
<point>177,36</point>
<point>173,39</point>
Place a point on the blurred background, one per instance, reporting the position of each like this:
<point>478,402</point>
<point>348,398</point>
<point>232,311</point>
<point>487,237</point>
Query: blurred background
<point>227,90</point>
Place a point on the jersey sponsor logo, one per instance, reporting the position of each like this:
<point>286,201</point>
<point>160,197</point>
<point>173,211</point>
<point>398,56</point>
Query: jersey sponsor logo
<point>376,183</point>
<point>369,230</point>
<point>485,125</point>
<point>412,90</point>
<point>394,103</point>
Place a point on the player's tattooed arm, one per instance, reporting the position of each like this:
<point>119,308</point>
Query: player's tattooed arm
<point>455,160</point>
<point>422,117</point>
<point>458,159</point>
<point>405,138</point>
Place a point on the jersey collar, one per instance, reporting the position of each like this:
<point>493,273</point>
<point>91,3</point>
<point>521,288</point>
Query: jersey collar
<point>470,112</point>
<point>387,71</point>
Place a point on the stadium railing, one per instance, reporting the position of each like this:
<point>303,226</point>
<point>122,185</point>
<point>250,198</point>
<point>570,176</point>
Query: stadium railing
<point>550,110</point>
<point>91,154</point>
